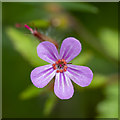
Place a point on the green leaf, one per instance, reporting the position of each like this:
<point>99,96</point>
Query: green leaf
<point>109,40</point>
<point>109,107</point>
<point>84,7</point>
<point>31,92</point>
<point>50,103</point>
<point>25,45</point>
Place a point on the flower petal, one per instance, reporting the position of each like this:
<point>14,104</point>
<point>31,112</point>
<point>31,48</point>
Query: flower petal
<point>42,75</point>
<point>70,48</point>
<point>63,87</point>
<point>48,52</point>
<point>81,75</point>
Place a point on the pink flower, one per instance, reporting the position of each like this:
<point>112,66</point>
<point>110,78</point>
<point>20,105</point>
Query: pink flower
<point>60,68</point>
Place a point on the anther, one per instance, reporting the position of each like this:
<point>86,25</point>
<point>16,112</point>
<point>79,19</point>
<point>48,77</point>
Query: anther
<point>53,65</point>
<point>63,60</point>
<point>65,69</point>
<point>59,60</point>
<point>56,62</point>
<point>57,71</point>
<point>61,70</point>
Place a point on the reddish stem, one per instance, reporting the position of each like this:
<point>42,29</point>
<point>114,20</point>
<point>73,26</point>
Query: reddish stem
<point>40,36</point>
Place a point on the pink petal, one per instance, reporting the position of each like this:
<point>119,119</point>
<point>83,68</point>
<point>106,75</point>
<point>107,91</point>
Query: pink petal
<point>42,75</point>
<point>70,48</point>
<point>81,75</point>
<point>48,52</point>
<point>63,87</point>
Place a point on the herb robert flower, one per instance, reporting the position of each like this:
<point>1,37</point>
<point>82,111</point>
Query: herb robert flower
<point>60,68</point>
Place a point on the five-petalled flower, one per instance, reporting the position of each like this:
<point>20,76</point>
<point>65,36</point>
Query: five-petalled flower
<point>60,68</point>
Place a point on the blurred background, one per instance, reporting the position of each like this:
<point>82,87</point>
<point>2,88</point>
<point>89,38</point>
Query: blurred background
<point>94,24</point>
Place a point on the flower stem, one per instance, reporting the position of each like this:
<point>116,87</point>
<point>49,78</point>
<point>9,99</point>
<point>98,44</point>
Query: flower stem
<point>41,37</point>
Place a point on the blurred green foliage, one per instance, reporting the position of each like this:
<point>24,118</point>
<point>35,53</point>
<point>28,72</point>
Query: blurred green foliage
<point>109,40</point>
<point>84,7</point>
<point>95,25</point>
<point>39,23</point>
<point>50,104</point>
<point>31,92</point>
<point>111,93</point>
<point>25,46</point>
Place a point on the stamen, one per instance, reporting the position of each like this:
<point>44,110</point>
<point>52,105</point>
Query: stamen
<point>65,69</point>
<point>54,67</point>
<point>57,71</point>
<point>60,65</point>
<point>61,70</point>
<point>59,61</point>
<point>63,60</point>
<point>56,62</point>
